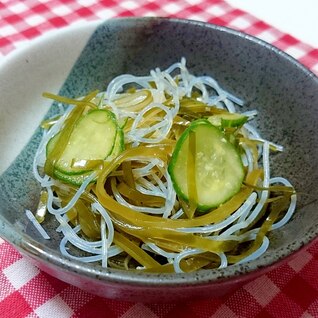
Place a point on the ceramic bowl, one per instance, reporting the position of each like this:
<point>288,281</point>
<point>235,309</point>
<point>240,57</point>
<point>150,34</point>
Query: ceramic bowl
<point>80,59</point>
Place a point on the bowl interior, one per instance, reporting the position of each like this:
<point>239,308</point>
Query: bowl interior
<point>283,92</point>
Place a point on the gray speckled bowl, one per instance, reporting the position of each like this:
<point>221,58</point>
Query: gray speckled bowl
<point>77,60</point>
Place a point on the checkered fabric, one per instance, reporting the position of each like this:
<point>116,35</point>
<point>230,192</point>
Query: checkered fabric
<point>290,290</point>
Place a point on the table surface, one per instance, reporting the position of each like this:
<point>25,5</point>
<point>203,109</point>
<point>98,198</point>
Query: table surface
<point>297,18</point>
<point>291,290</point>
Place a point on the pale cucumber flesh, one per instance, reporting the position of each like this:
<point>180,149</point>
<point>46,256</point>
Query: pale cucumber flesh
<point>93,138</point>
<point>219,171</point>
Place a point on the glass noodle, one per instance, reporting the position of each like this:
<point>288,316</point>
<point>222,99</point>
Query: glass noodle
<point>126,213</point>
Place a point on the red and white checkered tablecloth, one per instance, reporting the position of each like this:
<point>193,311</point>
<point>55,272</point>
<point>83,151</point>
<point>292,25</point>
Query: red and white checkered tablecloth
<point>291,290</point>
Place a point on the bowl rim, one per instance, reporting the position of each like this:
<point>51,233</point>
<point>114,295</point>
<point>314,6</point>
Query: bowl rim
<point>31,248</point>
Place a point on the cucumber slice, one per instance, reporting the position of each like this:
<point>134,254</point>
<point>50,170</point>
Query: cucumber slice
<point>93,138</point>
<point>218,167</point>
<point>228,120</point>
<point>119,145</point>
<point>75,179</point>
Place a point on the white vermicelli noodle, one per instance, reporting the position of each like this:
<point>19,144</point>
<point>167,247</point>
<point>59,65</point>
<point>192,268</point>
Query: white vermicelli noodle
<point>292,206</point>
<point>261,250</point>
<point>181,255</point>
<point>37,225</point>
<point>165,89</point>
<point>72,202</point>
<point>245,208</point>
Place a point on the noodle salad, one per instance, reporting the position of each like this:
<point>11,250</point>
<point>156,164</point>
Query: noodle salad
<point>159,173</point>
